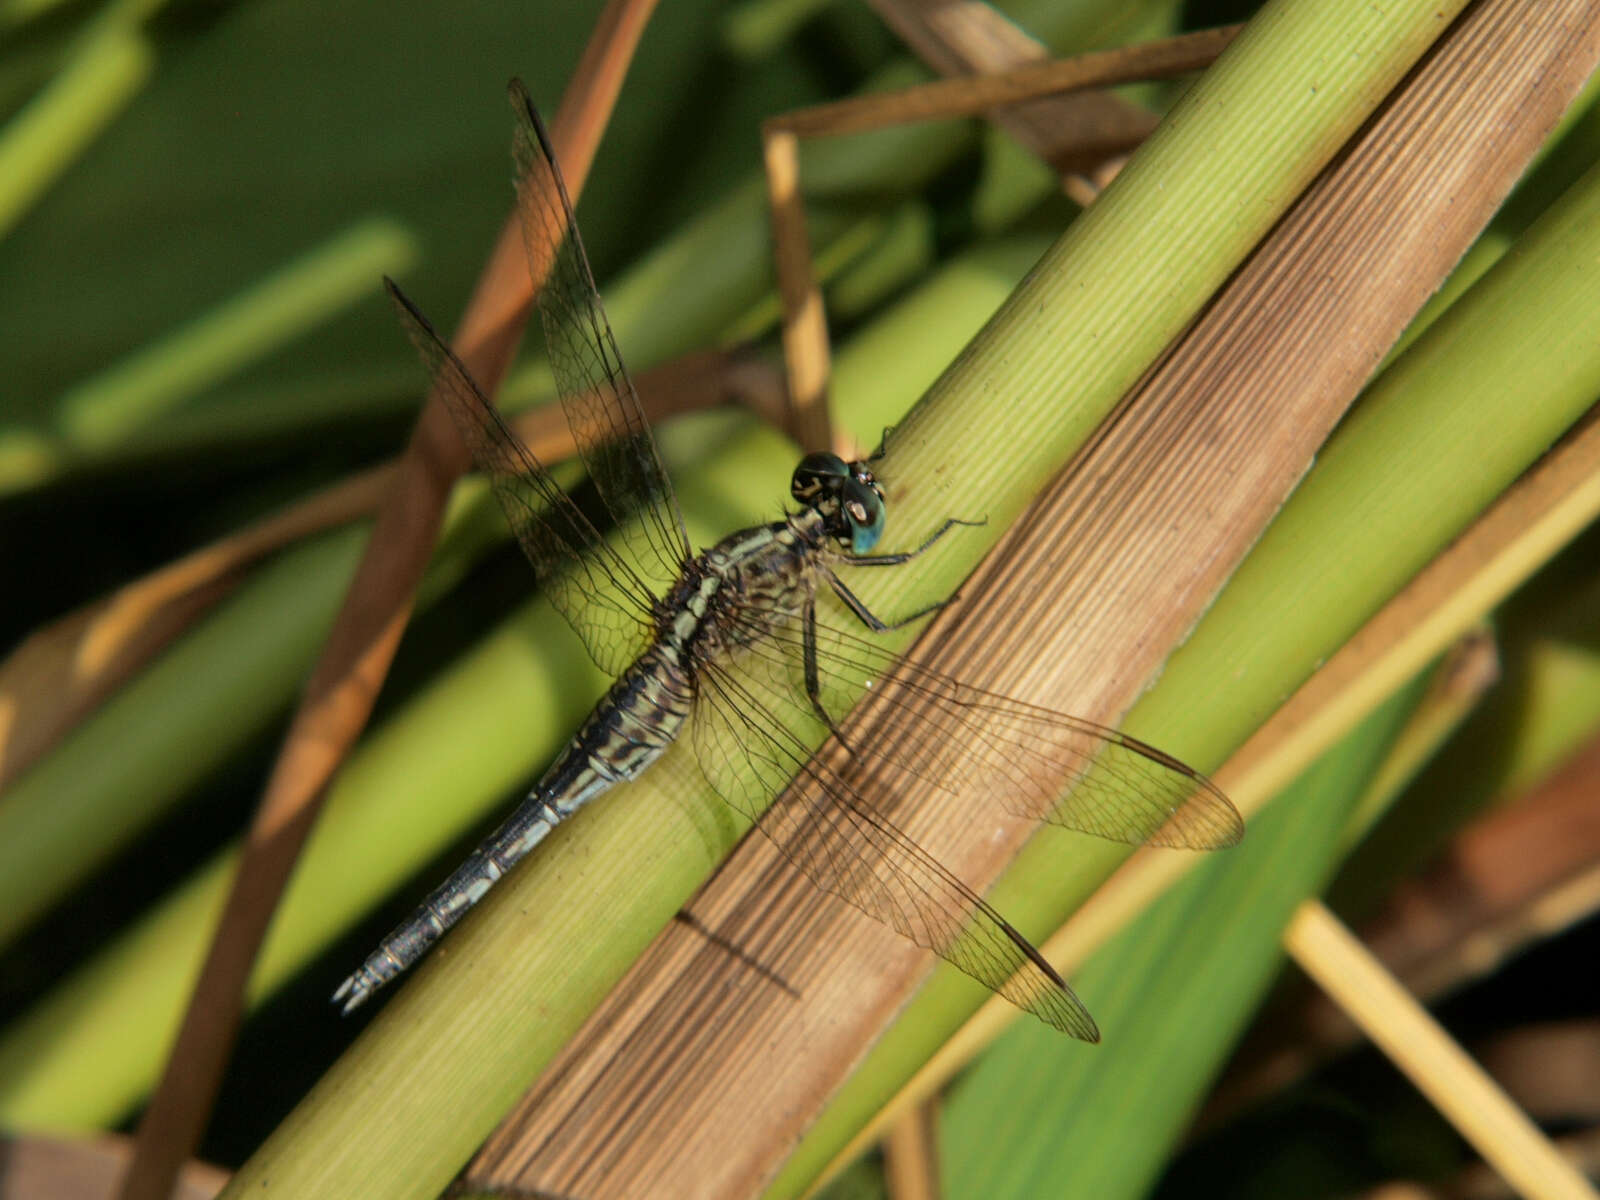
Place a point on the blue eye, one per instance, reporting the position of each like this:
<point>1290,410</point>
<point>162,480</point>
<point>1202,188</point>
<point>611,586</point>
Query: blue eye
<point>863,509</point>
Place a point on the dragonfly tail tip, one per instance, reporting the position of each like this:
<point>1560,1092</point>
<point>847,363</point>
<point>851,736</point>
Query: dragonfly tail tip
<point>351,994</point>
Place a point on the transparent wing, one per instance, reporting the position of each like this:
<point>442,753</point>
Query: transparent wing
<point>1036,763</point>
<point>598,593</point>
<point>602,408</point>
<point>752,739</point>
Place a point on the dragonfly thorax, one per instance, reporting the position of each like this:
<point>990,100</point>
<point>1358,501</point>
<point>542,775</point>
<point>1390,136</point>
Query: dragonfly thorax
<point>765,569</point>
<point>846,496</point>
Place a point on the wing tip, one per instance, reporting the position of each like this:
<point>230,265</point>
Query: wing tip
<point>1223,825</point>
<point>522,104</point>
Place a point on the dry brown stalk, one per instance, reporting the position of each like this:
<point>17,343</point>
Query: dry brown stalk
<point>911,1155</point>
<point>805,329</point>
<point>36,1165</point>
<point>973,95</point>
<point>1079,135</point>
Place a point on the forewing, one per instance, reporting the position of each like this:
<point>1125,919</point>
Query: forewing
<point>753,738</point>
<point>1035,763</point>
<point>595,590</point>
<point>602,407</point>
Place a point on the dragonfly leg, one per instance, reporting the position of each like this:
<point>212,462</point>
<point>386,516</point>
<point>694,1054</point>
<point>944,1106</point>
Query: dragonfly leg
<point>864,614</point>
<point>870,619</point>
<point>808,624</point>
<point>894,560</point>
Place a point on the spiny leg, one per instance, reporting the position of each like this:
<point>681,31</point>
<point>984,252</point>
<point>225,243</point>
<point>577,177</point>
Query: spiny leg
<point>863,614</point>
<point>870,619</point>
<point>894,560</point>
<point>808,627</point>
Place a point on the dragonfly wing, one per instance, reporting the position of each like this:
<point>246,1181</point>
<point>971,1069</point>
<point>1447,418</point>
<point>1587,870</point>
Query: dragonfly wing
<point>607,420</point>
<point>1036,763</point>
<point>598,593</point>
<point>752,739</point>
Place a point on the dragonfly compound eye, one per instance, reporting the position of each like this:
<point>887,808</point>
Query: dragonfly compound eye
<point>863,510</point>
<point>818,478</point>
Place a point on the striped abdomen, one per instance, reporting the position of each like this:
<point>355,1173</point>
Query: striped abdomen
<point>627,731</point>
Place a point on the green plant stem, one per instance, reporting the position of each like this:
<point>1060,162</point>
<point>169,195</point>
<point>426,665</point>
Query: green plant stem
<point>103,410</point>
<point>103,74</point>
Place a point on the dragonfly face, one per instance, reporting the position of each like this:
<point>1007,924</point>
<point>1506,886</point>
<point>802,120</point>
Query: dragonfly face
<point>847,496</point>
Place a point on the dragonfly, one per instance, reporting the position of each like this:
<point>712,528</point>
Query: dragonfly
<point>758,647</point>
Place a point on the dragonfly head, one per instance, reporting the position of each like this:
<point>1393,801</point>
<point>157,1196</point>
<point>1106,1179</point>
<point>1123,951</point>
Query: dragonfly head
<point>847,496</point>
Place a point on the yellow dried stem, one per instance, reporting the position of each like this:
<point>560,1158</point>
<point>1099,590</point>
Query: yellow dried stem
<point>1414,1042</point>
